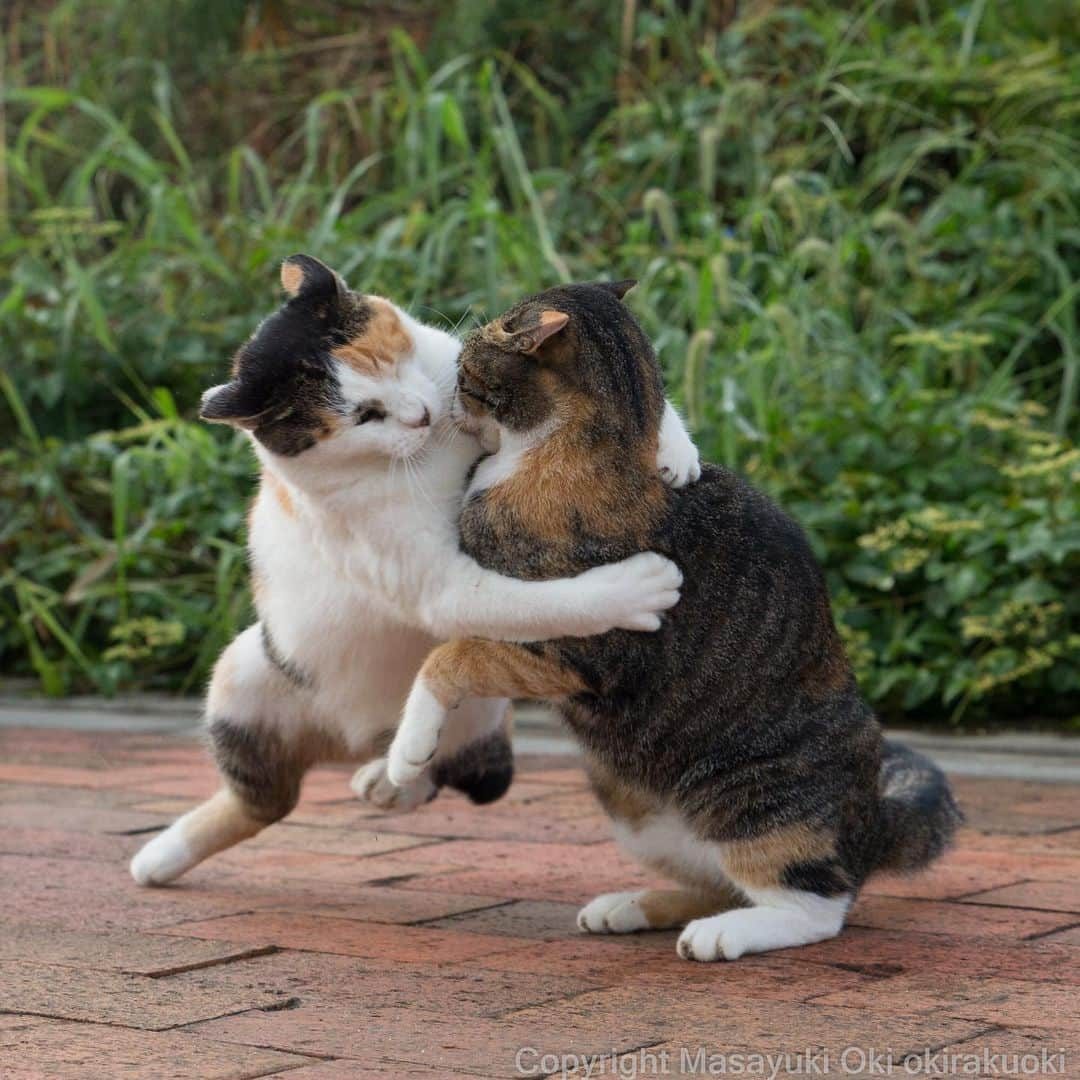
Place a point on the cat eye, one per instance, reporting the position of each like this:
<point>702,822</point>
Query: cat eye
<point>367,411</point>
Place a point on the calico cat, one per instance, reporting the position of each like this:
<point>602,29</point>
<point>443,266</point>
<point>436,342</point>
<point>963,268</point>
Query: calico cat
<point>356,570</point>
<point>731,749</point>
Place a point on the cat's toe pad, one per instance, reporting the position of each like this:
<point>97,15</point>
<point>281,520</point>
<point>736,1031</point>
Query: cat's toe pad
<point>613,913</point>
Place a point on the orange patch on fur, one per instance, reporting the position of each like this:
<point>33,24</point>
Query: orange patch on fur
<point>383,342</point>
<point>280,492</point>
<point>562,482</point>
<point>620,801</point>
<point>475,668</point>
<point>668,908</point>
<point>761,862</point>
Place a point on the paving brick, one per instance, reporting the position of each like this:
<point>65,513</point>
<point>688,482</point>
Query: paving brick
<point>729,1021</point>
<point>69,1051</point>
<point>959,873</point>
<point>947,918</point>
<point>68,776</point>
<point>52,796</point>
<point>355,843</point>
<point>310,978</point>
<point>383,904</point>
<point>1009,1002</point>
<point>1070,936</point>
<point>443,1043</point>
<point>58,843</point>
<point>404,944</point>
<point>108,997</point>
<point>1065,846</point>
<point>251,864</point>
<point>76,819</point>
<point>562,872</point>
<point>1042,895</point>
<point>523,822</point>
<point>649,961</point>
<point>82,894</point>
<point>989,937</point>
<point>886,952</point>
<point>112,950</point>
<point>537,919</point>
<point>1016,1044</point>
<point>351,1070</point>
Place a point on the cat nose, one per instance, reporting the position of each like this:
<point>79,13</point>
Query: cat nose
<point>424,421</point>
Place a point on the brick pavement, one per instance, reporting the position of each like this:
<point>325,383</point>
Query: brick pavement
<point>351,944</point>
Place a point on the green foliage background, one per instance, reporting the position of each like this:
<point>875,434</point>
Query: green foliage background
<point>856,229</point>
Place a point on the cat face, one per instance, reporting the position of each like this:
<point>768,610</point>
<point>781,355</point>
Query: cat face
<point>572,352</point>
<point>333,374</point>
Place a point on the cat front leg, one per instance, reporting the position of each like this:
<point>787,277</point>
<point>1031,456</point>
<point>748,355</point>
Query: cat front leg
<point>459,670</point>
<point>677,457</point>
<point>475,758</point>
<point>651,909</point>
<point>464,599</point>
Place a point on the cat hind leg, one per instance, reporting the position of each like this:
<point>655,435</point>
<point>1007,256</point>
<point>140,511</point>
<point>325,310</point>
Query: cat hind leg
<point>798,889</point>
<point>261,765</point>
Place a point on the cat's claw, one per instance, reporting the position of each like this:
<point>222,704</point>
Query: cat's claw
<point>371,784</point>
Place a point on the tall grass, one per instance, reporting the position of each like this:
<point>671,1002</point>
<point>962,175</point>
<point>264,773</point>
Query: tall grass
<point>837,214</point>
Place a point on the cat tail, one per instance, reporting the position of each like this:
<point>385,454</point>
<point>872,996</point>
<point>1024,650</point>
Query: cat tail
<point>919,816</point>
<point>483,769</point>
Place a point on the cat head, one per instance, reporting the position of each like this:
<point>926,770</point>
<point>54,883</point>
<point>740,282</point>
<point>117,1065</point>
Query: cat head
<point>572,353</point>
<point>335,375</point>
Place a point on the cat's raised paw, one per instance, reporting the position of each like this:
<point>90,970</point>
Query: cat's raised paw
<point>644,586</point>
<point>677,457</point>
<point>371,784</point>
<point>613,913</point>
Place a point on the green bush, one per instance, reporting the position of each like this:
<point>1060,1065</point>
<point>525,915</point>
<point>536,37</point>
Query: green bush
<point>856,229</point>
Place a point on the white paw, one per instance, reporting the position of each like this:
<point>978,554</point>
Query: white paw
<point>751,930</point>
<point>633,593</point>
<point>417,738</point>
<point>677,458</point>
<point>372,785</point>
<point>162,859</point>
<point>613,913</point>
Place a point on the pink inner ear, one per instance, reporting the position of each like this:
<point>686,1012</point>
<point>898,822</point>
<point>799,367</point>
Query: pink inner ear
<point>551,322</point>
<point>292,277</point>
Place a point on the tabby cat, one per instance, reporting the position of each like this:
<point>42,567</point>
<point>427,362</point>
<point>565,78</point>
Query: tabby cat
<point>732,749</point>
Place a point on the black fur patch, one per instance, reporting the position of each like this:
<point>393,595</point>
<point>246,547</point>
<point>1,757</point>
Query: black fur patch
<point>825,877</point>
<point>283,385</point>
<point>292,671</point>
<point>483,770</point>
<point>258,767</point>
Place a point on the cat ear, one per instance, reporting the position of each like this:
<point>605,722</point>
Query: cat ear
<point>226,404</point>
<point>618,288</point>
<point>305,276</point>
<point>551,322</point>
